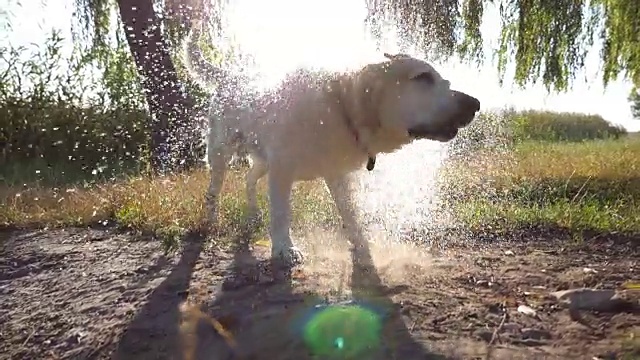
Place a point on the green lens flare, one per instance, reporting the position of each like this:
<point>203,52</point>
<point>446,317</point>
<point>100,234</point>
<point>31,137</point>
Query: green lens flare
<point>343,331</point>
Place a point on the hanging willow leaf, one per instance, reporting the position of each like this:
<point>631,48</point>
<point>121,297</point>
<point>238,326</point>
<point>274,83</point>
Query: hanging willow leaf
<point>546,40</point>
<point>634,99</point>
<point>431,24</point>
<point>92,20</point>
<point>471,47</point>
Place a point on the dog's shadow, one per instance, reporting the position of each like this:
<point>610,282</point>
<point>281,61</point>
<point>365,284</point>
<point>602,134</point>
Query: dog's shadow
<point>262,318</point>
<point>367,287</point>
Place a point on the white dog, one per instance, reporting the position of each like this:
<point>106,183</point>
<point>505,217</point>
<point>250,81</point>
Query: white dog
<point>322,125</point>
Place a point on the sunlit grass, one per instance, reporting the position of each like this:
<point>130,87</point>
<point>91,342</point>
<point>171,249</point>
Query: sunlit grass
<point>590,185</point>
<point>166,206</point>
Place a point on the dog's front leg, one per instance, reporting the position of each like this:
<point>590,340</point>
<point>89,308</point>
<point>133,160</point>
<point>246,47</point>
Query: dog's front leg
<point>343,194</point>
<point>282,250</point>
<point>256,172</point>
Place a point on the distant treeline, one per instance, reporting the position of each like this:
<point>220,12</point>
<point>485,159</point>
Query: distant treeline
<point>507,127</point>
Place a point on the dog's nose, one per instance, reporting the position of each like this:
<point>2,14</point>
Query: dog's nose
<point>467,102</point>
<point>474,104</point>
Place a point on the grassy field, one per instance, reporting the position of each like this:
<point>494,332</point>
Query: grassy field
<point>167,207</point>
<point>588,185</point>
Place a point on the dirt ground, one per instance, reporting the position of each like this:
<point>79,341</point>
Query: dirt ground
<point>97,294</point>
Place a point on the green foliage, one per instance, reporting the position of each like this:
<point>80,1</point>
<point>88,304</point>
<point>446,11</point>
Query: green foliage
<point>58,112</point>
<point>97,22</point>
<point>552,126</point>
<point>547,41</point>
<point>634,98</point>
<point>92,21</point>
<point>589,185</point>
<point>74,116</point>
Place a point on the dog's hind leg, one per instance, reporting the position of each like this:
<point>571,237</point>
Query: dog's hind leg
<point>218,156</point>
<point>342,193</point>
<point>256,172</point>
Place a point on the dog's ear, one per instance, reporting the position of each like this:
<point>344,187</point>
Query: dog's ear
<point>424,75</point>
<point>414,69</point>
<point>359,100</point>
<point>366,102</point>
<point>396,56</point>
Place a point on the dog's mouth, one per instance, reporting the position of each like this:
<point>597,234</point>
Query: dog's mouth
<point>464,119</point>
<point>442,134</point>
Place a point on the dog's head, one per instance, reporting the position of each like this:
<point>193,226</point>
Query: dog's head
<point>415,102</point>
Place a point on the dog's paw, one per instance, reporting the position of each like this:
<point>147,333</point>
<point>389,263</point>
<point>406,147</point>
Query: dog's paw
<point>254,219</point>
<point>287,258</point>
<point>210,222</point>
<point>238,162</point>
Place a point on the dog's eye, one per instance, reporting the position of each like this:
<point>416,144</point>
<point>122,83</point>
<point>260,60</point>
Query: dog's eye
<point>425,76</point>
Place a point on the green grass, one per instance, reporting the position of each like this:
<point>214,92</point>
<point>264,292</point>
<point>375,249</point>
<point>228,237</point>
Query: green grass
<point>586,185</point>
<point>39,173</point>
<point>506,127</point>
<point>590,185</point>
<point>167,207</point>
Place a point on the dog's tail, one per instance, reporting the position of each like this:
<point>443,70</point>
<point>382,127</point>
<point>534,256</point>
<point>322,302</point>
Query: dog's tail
<point>199,69</point>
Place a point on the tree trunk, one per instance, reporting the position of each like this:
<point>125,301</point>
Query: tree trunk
<point>174,141</point>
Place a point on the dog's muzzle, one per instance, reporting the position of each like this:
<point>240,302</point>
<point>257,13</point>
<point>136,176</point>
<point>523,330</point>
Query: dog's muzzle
<point>443,133</point>
<point>468,106</point>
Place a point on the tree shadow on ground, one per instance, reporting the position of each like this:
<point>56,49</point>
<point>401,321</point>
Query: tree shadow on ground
<point>260,318</point>
<point>154,331</point>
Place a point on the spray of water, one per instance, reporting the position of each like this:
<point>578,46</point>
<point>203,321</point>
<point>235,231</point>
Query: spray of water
<point>400,195</point>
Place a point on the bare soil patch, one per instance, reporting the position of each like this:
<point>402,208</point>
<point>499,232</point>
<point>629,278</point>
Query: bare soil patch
<point>98,294</point>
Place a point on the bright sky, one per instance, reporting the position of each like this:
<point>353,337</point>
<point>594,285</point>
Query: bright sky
<point>283,34</point>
